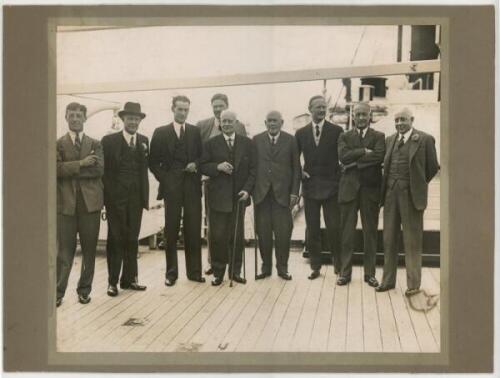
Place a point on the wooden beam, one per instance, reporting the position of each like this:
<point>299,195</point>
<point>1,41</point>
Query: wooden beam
<point>423,66</point>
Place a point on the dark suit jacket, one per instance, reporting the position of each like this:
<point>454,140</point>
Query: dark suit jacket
<point>161,158</point>
<point>423,165</point>
<point>368,169</point>
<point>223,189</point>
<point>112,145</point>
<point>208,124</point>
<point>320,162</point>
<point>277,165</point>
<point>69,172</point>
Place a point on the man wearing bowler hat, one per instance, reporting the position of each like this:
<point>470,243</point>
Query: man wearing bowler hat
<point>126,194</point>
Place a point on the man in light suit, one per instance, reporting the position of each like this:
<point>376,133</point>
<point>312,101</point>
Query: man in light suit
<point>410,164</point>
<point>361,151</point>
<point>174,161</point>
<point>229,160</point>
<point>276,193</point>
<point>317,141</point>
<point>209,128</point>
<point>126,194</point>
<point>79,202</point>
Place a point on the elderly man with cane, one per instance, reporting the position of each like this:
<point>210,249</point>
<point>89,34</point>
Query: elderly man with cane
<point>229,160</point>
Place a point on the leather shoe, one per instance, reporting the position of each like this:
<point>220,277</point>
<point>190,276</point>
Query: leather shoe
<point>382,288</point>
<point>372,281</point>
<point>341,281</point>
<point>169,282</point>
<point>209,271</point>
<point>137,287</point>
<point>410,292</point>
<point>285,276</point>
<point>262,276</point>
<point>239,279</point>
<point>197,279</point>
<point>314,274</point>
<point>217,281</point>
<point>83,298</point>
<point>112,291</point>
<point>58,302</point>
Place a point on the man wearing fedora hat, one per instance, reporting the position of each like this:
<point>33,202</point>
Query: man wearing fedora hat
<point>126,194</point>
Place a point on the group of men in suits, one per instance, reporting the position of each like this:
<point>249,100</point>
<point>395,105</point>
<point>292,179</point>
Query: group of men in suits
<point>341,176</point>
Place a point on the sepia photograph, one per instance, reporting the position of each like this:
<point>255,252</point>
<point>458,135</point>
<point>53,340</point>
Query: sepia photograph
<point>248,188</point>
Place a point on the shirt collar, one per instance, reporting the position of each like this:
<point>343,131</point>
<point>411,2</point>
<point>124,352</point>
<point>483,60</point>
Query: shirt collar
<point>275,136</point>
<point>319,124</point>
<point>72,135</point>
<point>226,137</point>
<point>362,132</point>
<point>406,135</point>
<point>177,126</point>
<point>128,136</point>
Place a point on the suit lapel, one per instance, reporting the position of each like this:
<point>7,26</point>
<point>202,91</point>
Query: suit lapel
<point>388,154</point>
<point>279,144</point>
<point>309,136</point>
<point>70,147</point>
<point>413,144</point>
<point>368,138</point>
<point>171,137</point>
<point>237,150</point>
<point>86,147</point>
<point>324,133</point>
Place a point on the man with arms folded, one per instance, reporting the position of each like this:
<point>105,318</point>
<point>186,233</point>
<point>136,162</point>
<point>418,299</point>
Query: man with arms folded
<point>79,202</point>
<point>361,152</point>
<point>276,193</point>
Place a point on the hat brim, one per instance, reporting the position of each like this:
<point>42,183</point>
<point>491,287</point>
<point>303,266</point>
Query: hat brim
<point>125,112</point>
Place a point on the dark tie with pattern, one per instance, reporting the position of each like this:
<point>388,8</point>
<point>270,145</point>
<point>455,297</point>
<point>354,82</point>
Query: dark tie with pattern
<point>132,144</point>
<point>78,143</point>
<point>317,131</point>
<point>401,141</point>
<point>181,133</point>
<point>230,144</point>
<point>273,141</point>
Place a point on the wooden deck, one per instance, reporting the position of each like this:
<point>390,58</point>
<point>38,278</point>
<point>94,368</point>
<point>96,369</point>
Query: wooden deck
<point>266,315</point>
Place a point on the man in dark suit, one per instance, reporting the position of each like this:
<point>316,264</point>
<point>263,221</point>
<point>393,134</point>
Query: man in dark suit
<point>126,194</point>
<point>174,161</point>
<point>229,160</point>
<point>276,192</point>
<point>361,152</point>
<point>209,128</point>
<point>317,141</point>
<point>410,164</point>
<point>79,202</point>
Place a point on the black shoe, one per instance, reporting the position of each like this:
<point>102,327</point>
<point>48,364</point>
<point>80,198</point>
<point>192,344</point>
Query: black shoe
<point>372,281</point>
<point>314,274</point>
<point>209,271</point>
<point>83,298</point>
<point>411,292</point>
<point>112,291</point>
<point>285,276</point>
<point>382,288</point>
<point>262,276</point>
<point>58,302</point>
<point>169,282</point>
<point>217,281</point>
<point>239,279</point>
<point>341,281</point>
<point>137,287</point>
<point>197,279</point>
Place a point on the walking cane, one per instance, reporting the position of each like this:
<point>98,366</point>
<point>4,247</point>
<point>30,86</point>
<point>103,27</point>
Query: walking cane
<point>256,241</point>
<point>234,243</point>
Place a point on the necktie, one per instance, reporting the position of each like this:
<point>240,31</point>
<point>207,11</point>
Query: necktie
<point>360,133</point>
<point>273,141</point>
<point>317,131</point>
<point>401,141</point>
<point>132,144</point>
<point>181,133</point>
<point>78,143</point>
<point>230,144</point>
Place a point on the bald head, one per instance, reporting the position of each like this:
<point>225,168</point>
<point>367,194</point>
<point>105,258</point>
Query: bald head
<point>274,122</point>
<point>403,120</point>
<point>362,107</point>
<point>227,121</point>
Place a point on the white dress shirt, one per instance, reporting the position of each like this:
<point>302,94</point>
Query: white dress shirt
<point>129,136</point>
<point>320,125</point>
<point>72,135</point>
<point>177,128</point>
<point>227,137</point>
<point>275,137</point>
<point>406,135</point>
